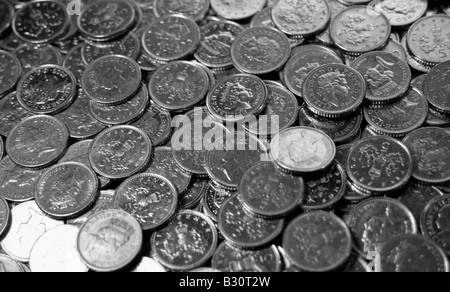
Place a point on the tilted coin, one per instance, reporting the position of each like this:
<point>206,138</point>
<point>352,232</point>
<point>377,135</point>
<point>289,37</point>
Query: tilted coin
<point>434,222</point>
<point>260,50</point>
<point>106,20</point>
<point>112,79</point>
<point>187,243</point>
<point>301,17</point>
<point>231,259</point>
<point>417,196</point>
<point>33,56</point>
<point>413,253</point>
<point>109,240</point>
<point>353,194</point>
<point>151,199</point>
<point>236,9</point>
<point>396,49</point>
<point>402,13</point>
<point>387,76</point>
<point>437,119</point>
<point>171,38</point>
<point>269,193</point>
<point>74,62</point>
<point>6,16</point>
<point>213,200</point>
<point>41,22</point>
<point>156,123</point>
<point>66,190</point>
<point>354,2</point>
<point>10,42</point>
<point>194,194</point>
<point>10,73</point>
<point>149,265</point>
<point>342,153</point>
<point>2,148</point>
<point>5,215</point>
<point>399,118</point>
<point>379,164</point>
<point>418,82</point>
<point>376,221</point>
<point>195,9</point>
<point>334,90</point>
<point>304,60</point>
<point>236,97</point>
<point>178,86</point>
<point>317,242</point>
<point>48,89</point>
<point>105,201</point>
<point>56,251</point>
<point>28,224</point>
<point>360,29</point>
<point>37,142</point>
<point>356,264</point>
<point>164,164</point>
<point>128,46</point>
<point>9,265</point>
<point>120,152</point>
<point>436,89</point>
<point>303,150</point>
<point>244,230</point>
<point>263,18</point>
<point>431,157</point>
<point>145,62</point>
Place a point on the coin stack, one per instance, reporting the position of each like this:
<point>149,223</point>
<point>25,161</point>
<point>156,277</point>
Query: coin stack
<point>234,136</point>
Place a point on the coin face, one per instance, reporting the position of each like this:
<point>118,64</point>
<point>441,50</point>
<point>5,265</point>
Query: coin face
<point>106,20</point>
<point>231,259</point>
<point>195,9</point>
<point>120,152</point>
<point>37,142</point>
<point>236,97</point>
<point>413,253</point>
<point>399,118</point>
<point>6,16</point>
<point>396,49</point>
<point>55,251</point>
<point>111,80</point>
<point>334,90</point>
<point>237,9</point>
<point>28,224</point>
<point>156,124</point>
<point>128,46</point>
<point>213,200</point>
<point>303,150</point>
<point>379,164</point>
<point>178,86</point>
<point>33,56</point>
<point>186,243</point>
<point>434,88</point>
<point>109,240</point>
<point>260,50</point>
<point>194,194</point>
<point>387,76</point>
<point>375,221</point>
<point>11,113</point>
<point>10,72</point>
<point>434,222</point>
<point>151,199</point>
<point>336,7</point>
<point>171,38</point>
<point>317,242</point>
<point>10,265</point>
<point>402,13</point>
<point>417,196</point>
<point>301,17</point>
<point>267,192</point>
<point>5,215</point>
<point>431,158</point>
<point>41,22</point>
<point>360,29</point>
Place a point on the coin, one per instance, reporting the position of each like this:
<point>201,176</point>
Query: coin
<point>356,264</point>
<point>379,164</point>
<point>2,148</point>
<point>6,16</point>
<point>17,184</point>
<point>5,215</point>
<point>353,194</point>
<point>335,8</point>
<point>402,13</point>
<point>66,190</point>
<point>151,199</point>
<point>317,242</point>
<point>304,60</point>
<point>156,124</point>
<point>269,193</point>
<point>417,196</point>
<point>387,76</point>
<point>326,190</point>
<point>437,119</point>
<point>105,201</point>
<point>149,265</point>
<point>375,221</point>
<point>396,49</point>
<point>164,164</point>
<point>128,46</point>
<point>435,89</point>
<point>236,9</point>
<point>334,90</point>
<point>74,62</point>
<point>194,194</point>
<point>178,86</point>
<point>213,200</point>
<point>55,251</point>
<point>9,265</point>
<point>195,9</point>
<point>360,29</point>
<point>11,72</point>
<point>301,17</point>
<point>354,2</point>
<point>145,62</point>
<point>10,42</point>
<point>236,97</point>
<point>187,243</point>
<point>263,18</point>
<point>413,253</point>
<point>28,224</point>
<point>41,22</point>
<point>48,89</point>
<point>112,79</point>
<point>109,240</point>
<point>231,259</point>
<point>418,82</point>
<point>399,118</point>
<point>33,56</point>
<point>205,270</point>
<point>303,150</point>
<point>120,152</point>
<point>171,38</point>
<point>431,157</point>
<point>106,20</point>
<point>37,142</point>
<point>260,50</point>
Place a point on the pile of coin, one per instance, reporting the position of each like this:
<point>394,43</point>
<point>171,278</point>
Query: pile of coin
<point>218,135</point>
